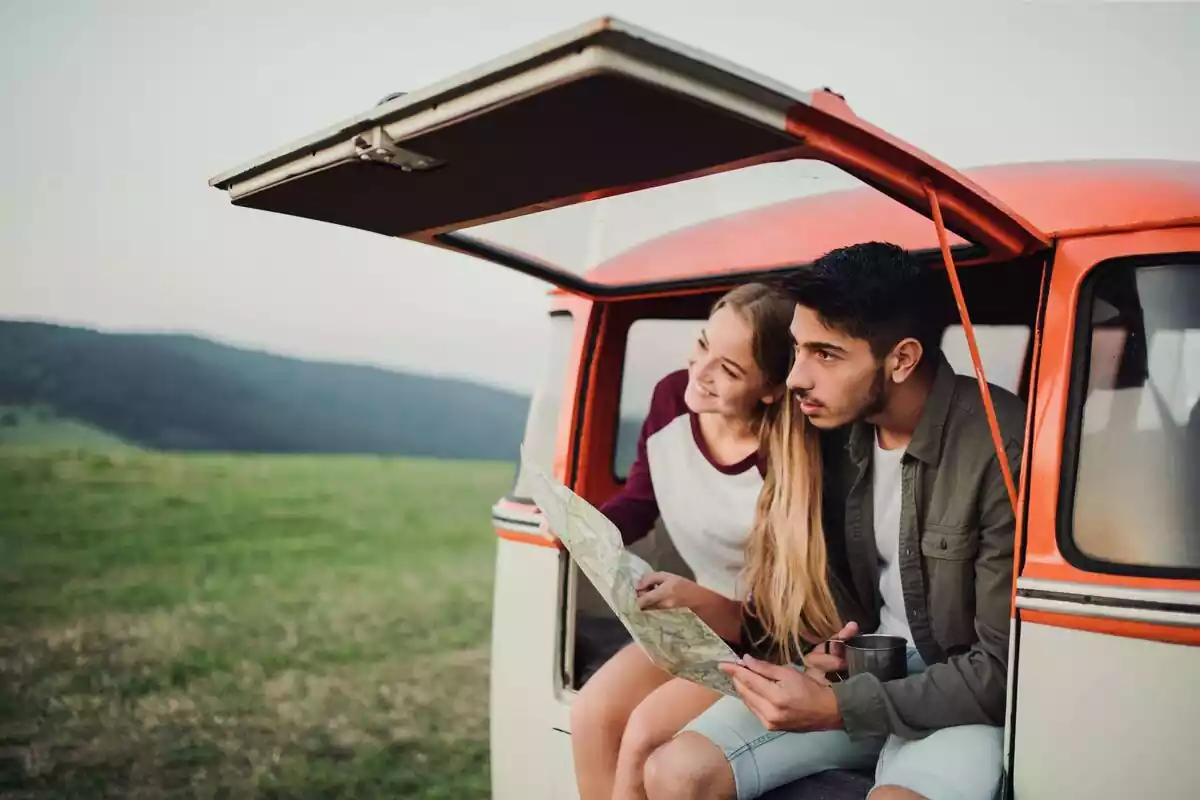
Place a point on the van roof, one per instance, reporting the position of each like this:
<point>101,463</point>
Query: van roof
<point>1068,198</point>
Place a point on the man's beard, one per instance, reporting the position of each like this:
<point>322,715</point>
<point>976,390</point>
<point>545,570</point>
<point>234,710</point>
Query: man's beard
<point>877,398</point>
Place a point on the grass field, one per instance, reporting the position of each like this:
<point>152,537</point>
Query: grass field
<point>194,626</point>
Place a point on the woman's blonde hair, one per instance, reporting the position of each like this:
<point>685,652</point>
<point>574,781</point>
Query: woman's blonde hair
<point>786,562</point>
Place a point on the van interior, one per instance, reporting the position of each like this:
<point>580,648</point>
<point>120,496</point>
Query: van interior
<point>648,338</point>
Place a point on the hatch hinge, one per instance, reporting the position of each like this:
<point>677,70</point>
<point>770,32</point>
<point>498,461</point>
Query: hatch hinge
<point>376,145</point>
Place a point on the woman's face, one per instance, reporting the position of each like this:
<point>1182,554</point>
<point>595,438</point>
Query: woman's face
<point>723,377</point>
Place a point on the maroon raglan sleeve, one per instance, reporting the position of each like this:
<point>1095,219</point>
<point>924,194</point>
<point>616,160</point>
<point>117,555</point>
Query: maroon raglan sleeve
<point>634,509</point>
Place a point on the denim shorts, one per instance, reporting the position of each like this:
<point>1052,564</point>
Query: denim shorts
<point>960,763</point>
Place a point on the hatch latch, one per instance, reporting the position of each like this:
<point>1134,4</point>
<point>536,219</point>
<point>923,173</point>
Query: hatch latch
<point>376,145</point>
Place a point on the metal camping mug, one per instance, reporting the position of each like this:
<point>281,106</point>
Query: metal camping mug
<point>885,657</point>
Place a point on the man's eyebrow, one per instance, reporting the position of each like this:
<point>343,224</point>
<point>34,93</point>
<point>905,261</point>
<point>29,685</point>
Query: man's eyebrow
<point>830,346</point>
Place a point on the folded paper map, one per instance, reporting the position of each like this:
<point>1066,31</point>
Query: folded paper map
<point>675,639</point>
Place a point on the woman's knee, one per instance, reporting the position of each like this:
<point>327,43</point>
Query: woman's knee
<point>893,793</point>
<point>688,766</point>
<point>609,697</point>
<point>644,732</point>
<point>596,711</point>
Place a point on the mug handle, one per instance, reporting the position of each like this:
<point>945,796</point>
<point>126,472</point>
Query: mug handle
<point>840,675</point>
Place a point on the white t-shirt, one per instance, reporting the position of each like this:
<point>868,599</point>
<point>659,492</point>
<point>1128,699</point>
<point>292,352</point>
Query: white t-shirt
<point>888,499</point>
<point>707,507</point>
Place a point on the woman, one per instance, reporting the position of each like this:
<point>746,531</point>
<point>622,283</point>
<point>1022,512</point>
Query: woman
<point>710,432</point>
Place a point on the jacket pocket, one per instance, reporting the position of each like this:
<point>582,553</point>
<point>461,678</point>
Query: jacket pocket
<point>949,554</point>
<point>948,542</point>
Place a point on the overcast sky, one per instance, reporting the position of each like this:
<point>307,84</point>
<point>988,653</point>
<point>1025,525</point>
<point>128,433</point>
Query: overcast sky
<point>117,113</point>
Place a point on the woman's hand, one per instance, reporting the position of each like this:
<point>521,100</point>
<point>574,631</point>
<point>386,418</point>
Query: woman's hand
<point>663,590</point>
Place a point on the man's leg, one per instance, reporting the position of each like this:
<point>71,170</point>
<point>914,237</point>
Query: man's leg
<point>960,763</point>
<point>689,766</point>
<point>726,752</point>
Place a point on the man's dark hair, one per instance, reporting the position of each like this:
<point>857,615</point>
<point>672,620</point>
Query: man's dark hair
<point>873,291</point>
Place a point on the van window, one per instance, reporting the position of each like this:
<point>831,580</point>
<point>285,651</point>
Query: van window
<point>1136,401</point>
<point>1001,349</point>
<point>541,426</point>
<point>653,349</point>
<point>656,347</point>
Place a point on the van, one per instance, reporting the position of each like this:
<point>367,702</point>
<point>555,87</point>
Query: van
<point>640,178</point>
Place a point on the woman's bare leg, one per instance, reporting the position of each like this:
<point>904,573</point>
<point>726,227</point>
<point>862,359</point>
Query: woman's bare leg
<point>651,725</point>
<point>600,713</point>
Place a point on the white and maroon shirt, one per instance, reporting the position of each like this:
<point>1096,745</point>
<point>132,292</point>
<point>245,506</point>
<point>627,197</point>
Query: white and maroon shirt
<point>706,507</point>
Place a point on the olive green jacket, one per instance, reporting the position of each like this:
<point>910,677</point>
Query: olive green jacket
<point>956,561</point>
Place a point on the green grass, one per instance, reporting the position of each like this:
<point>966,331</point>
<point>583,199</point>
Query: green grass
<point>196,626</point>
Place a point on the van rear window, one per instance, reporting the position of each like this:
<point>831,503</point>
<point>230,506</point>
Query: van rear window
<point>654,348</point>
<point>657,347</point>
<point>1002,350</point>
<point>545,407</point>
<point>1133,502</point>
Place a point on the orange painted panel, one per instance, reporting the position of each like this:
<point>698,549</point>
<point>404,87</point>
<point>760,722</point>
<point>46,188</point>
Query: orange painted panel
<point>1069,199</point>
<point>536,539</point>
<point>1073,260</point>
<point>516,506</point>
<point>586,314</point>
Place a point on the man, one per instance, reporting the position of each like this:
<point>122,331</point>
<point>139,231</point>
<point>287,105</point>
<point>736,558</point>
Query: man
<point>920,532</point>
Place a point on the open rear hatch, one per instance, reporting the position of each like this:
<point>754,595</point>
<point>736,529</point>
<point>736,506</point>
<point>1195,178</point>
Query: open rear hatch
<point>596,112</point>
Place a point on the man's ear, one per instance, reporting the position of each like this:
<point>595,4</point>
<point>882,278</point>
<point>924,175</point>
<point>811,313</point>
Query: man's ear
<point>905,357</point>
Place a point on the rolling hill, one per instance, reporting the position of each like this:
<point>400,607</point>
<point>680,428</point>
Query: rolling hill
<point>174,392</point>
<point>39,426</point>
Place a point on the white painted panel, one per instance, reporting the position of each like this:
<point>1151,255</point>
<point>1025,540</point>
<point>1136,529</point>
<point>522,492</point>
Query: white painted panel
<point>524,663</point>
<point>565,787</point>
<point>1105,716</point>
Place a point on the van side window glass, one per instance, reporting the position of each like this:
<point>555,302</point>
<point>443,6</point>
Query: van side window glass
<point>541,425</point>
<point>1137,484</point>
<point>653,349</point>
<point>1002,350</point>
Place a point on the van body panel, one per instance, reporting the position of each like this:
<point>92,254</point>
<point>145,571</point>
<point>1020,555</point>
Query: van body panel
<point>1105,679</point>
<point>524,705</point>
<point>1091,723</point>
<point>564,786</point>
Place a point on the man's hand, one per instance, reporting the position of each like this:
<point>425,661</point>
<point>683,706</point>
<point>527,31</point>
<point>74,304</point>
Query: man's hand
<point>833,659</point>
<point>783,698</point>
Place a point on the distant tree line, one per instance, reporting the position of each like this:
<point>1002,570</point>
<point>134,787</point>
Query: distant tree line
<point>185,393</point>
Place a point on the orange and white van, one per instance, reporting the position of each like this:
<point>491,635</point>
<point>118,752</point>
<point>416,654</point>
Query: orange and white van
<point>641,178</point>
